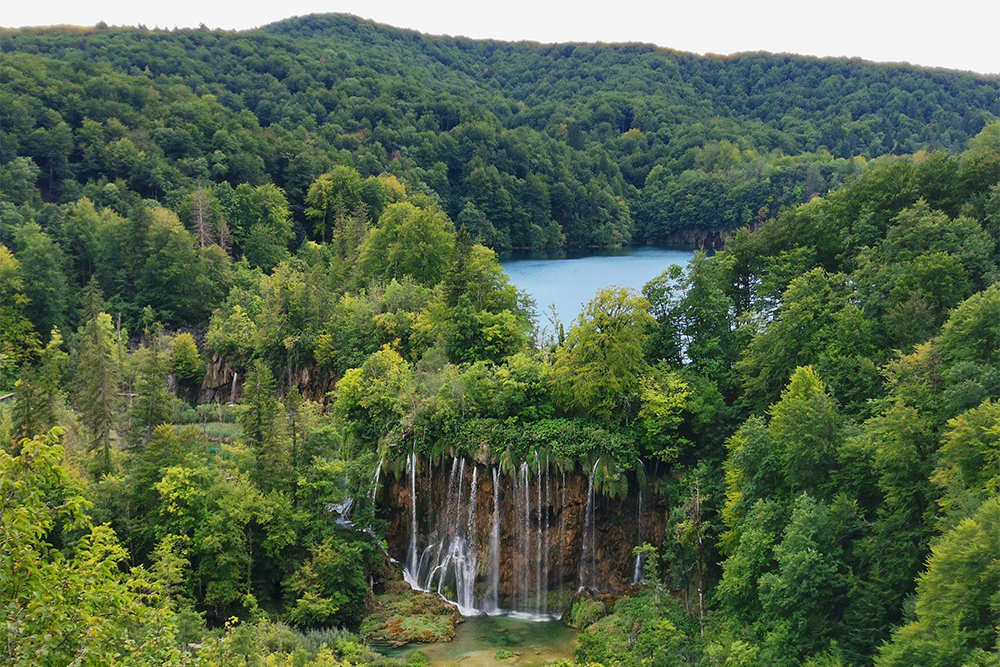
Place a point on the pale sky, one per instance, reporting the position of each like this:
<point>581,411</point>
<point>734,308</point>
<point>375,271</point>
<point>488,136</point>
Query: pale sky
<point>955,34</point>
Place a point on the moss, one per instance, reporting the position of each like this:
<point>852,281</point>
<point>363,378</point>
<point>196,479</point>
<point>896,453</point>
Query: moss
<point>402,616</point>
<point>584,612</point>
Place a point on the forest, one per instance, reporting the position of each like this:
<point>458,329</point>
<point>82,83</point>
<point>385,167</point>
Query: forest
<point>242,275</point>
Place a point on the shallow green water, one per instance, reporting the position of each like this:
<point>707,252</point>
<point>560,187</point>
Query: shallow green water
<point>477,641</point>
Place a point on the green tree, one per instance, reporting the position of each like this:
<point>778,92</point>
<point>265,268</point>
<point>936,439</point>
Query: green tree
<point>803,597</point>
<point>150,407</point>
<point>260,221</point>
<point>330,586</point>
<point>408,241</point>
<point>30,416</point>
<point>18,339</point>
<point>69,606</point>
<point>97,377</point>
<point>370,398</point>
<point>968,466</point>
<point>805,428</point>
<point>957,601</point>
<point>598,370</point>
<point>185,361</point>
<point>664,397</point>
<point>46,287</point>
<point>260,419</point>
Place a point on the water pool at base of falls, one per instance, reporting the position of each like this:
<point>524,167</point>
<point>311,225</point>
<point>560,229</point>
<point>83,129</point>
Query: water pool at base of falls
<point>477,641</point>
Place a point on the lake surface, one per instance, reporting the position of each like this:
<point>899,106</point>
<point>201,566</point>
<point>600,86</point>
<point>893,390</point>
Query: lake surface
<point>477,641</point>
<point>571,280</point>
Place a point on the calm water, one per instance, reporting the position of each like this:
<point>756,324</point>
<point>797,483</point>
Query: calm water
<point>477,641</point>
<point>571,281</point>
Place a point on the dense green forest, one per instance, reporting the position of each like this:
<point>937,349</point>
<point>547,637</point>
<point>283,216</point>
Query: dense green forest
<point>527,145</point>
<point>315,207</point>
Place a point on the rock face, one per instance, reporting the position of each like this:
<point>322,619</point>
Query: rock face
<point>224,384</point>
<point>525,542</point>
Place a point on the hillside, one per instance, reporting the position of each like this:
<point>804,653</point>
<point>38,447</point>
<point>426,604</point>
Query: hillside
<point>525,144</point>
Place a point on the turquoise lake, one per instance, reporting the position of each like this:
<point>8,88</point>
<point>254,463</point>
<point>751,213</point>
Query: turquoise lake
<point>569,280</point>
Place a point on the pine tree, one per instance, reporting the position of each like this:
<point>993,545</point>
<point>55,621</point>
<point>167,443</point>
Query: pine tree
<point>261,430</point>
<point>152,401</point>
<point>98,375</point>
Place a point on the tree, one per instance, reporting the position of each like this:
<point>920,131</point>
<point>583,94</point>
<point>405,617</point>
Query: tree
<point>260,221</point>
<point>18,339</point>
<point>150,407</point>
<point>664,397</point>
<point>185,362</point>
<point>46,287</point>
<point>957,600</point>
<point>330,586</point>
<point>30,415</point>
<point>69,606</point>
<point>805,428</point>
<point>259,417</point>
<point>98,374</point>
<point>802,598</point>
<point>598,370</point>
<point>408,241</point>
<point>294,419</point>
<point>370,398</point>
<point>204,218</point>
<point>663,294</point>
<point>968,467</point>
<point>815,325</point>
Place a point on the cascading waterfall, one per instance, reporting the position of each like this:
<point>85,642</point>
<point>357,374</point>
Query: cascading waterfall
<point>449,563</point>
<point>539,584</point>
<point>374,489</point>
<point>522,495</point>
<point>411,554</point>
<point>637,573</point>
<point>562,530</point>
<point>493,603</point>
<point>232,392</point>
<point>511,556</point>
<point>548,542</point>
<point>588,559</point>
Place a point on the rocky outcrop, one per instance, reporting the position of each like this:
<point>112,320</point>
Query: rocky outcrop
<point>224,384</point>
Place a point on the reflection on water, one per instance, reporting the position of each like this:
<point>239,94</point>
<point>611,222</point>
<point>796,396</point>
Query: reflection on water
<point>477,641</point>
<point>569,279</point>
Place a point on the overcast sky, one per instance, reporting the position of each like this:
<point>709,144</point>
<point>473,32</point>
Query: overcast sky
<point>956,34</point>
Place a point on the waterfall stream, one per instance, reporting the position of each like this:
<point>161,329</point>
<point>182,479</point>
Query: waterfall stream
<point>588,557</point>
<point>517,544</point>
<point>637,573</point>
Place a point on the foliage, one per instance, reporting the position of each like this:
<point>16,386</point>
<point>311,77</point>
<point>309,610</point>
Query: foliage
<point>597,370</point>
<point>315,206</point>
<point>70,604</point>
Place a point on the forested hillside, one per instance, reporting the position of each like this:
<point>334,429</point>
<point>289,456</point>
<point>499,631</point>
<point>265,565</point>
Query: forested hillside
<point>527,145</point>
<point>244,275</point>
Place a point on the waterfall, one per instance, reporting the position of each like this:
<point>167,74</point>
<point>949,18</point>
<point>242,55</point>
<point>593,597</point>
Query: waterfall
<point>493,604</point>
<point>411,556</point>
<point>588,557</point>
<point>548,540</point>
<point>523,497</point>
<point>450,561</point>
<point>232,392</point>
<point>538,542</point>
<point>637,573</point>
<point>374,489</point>
<point>499,559</point>
<point>562,531</point>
